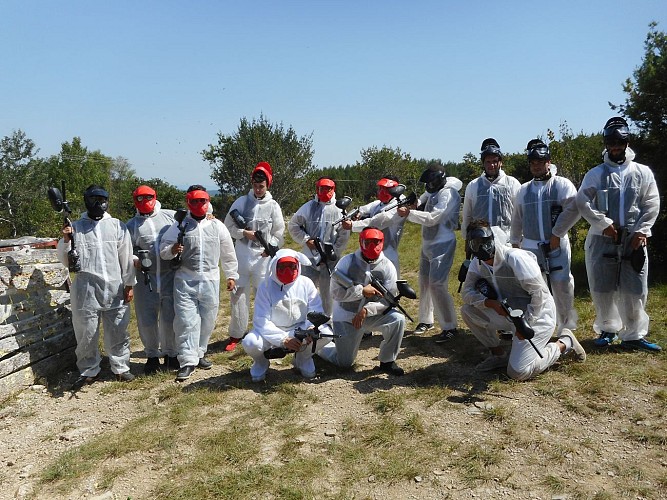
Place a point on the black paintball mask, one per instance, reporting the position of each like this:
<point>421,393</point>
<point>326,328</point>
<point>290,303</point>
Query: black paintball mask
<point>616,132</point>
<point>96,199</point>
<point>490,147</point>
<point>537,150</point>
<point>434,180</point>
<point>481,243</point>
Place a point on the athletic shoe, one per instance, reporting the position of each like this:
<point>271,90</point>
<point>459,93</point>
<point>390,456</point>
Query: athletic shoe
<point>83,380</point>
<point>577,349</point>
<point>605,339</point>
<point>493,362</point>
<point>445,336</point>
<point>391,368</point>
<point>184,373</point>
<point>152,366</point>
<point>423,328</point>
<point>125,377</point>
<point>232,343</point>
<point>259,378</point>
<point>171,363</point>
<point>641,344</point>
<point>204,364</point>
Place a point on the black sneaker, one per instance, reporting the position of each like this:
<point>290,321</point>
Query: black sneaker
<point>422,328</point>
<point>83,380</point>
<point>445,336</point>
<point>171,364</point>
<point>184,373</point>
<point>204,364</point>
<point>152,366</point>
<point>391,368</point>
<point>125,377</point>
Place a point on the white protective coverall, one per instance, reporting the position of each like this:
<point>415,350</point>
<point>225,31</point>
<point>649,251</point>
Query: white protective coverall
<point>154,310</point>
<point>517,277</point>
<point>207,245</point>
<point>633,205</point>
<point>349,301</point>
<point>279,310</point>
<point>260,215</point>
<point>97,291</point>
<point>315,219</point>
<point>543,208</point>
<point>439,220</point>
<point>389,222</point>
<point>492,201</point>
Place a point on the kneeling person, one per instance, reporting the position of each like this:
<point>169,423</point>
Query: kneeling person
<point>359,307</point>
<point>282,303</point>
<point>515,276</point>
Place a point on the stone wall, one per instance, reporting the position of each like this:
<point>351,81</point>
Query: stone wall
<point>36,335</point>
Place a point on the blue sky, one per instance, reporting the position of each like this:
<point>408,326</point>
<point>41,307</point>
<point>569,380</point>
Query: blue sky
<point>155,81</point>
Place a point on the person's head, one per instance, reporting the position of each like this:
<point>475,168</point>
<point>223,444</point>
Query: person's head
<point>616,135</point>
<point>492,158</point>
<point>144,198</point>
<point>388,181</point>
<point>287,269</point>
<point>371,243</point>
<point>539,159</point>
<point>434,177</point>
<point>325,188</point>
<point>96,199</point>
<point>261,178</point>
<point>480,241</point>
<point>198,201</point>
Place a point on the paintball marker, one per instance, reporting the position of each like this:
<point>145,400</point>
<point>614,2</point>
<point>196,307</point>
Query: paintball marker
<point>241,223</point>
<point>179,216</point>
<point>317,319</point>
<point>343,203</point>
<point>326,253</point>
<point>60,204</point>
<point>515,315</point>
<point>463,272</point>
<point>545,248</point>
<point>404,290</point>
<point>397,192</point>
<point>621,236</point>
<point>146,263</point>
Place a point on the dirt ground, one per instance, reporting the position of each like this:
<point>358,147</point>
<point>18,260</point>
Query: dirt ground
<point>554,432</point>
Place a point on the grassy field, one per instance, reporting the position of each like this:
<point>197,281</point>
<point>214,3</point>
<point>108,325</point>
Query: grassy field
<point>592,430</point>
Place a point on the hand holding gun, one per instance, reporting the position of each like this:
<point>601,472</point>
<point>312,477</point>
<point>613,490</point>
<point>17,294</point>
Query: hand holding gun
<point>523,329</point>
<point>325,252</point>
<point>269,249</point>
<point>343,203</point>
<point>397,192</point>
<point>620,235</point>
<point>60,204</point>
<point>179,216</point>
<point>404,290</point>
<point>317,319</point>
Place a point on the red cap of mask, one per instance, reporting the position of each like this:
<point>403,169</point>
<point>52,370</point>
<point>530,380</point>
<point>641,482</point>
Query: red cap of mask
<point>144,206</point>
<point>325,195</point>
<point>197,209</point>
<point>265,168</point>
<point>371,242</point>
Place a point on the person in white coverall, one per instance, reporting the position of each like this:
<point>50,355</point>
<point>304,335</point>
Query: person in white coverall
<point>315,219</point>
<point>154,308</point>
<point>373,214</point>
<point>359,307</point>
<point>620,200</point>
<point>102,289</point>
<point>513,274</point>
<point>282,303</point>
<point>206,245</point>
<point>545,209</point>
<point>260,212</point>
<point>490,197</point>
<point>438,214</point>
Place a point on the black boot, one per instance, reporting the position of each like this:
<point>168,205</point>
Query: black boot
<point>152,366</point>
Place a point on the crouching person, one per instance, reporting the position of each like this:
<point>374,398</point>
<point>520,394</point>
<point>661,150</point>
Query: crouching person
<point>282,303</point>
<point>359,307</point>
<point>512,275</point>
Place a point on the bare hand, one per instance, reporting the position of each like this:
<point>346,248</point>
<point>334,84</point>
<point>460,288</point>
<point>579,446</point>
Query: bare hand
<point>67,232</point>
<point>611,232</point>
<point>370,291</point>
<point>359,318</point>
<point>292,344</point>
<point>128,294</point>
<point>554,242</point>
<point>250,235</point>
<point>347,224</point>
<point>231,284</point>
<point>403,211</point>
<point>638,240</point>
<point>176,249</point>
<point>496,306</point>
<point>311,244</point>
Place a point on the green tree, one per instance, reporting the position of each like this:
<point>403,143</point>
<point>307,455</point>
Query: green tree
<point>170,196</point>
<point>234,157</point>
<point>123,181</point>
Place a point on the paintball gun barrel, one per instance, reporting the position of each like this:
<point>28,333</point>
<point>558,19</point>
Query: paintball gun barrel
<point>404,290</point>
<point>59,202</point>
<point>397,192</point>
<point>317,319</point>
<point>180,217</point>
<point>463,272</point>
<point>343,203</point>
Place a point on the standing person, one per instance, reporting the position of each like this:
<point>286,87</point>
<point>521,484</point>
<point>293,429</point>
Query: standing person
<point>545,209</point>
<point>282,303</point>
<point>439,218</point>
<point>154,291</point>
<point>619,198</point>
<point>490,197</point>
<point>206,245</point>
<point>260,213</point>
<point>514,275</point>
<point>359,306</point>
<point>373,214</point>
<point>102,289</point>
<point>315,220</point>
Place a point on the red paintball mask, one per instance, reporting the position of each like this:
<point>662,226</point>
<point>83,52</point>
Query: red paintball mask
<point>371,242</point>
<point>287,270</point>
<point>198,202</point>
<point>144,199</point>
<point>325,190</point>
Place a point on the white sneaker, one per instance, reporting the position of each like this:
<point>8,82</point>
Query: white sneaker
<point>577,349</point>
<point>493,362</point>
